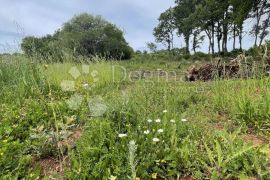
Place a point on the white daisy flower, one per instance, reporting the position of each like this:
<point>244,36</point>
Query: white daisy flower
<point>149,120</point>
<point>184,120</point>
<point>160,131</point>
<point>86,85</point>
<point>122,135</point>
<point>165,111</point>
<point>155,139</point>
<point>172,121</point>
<point>146,132</point>
<point>158,120</point>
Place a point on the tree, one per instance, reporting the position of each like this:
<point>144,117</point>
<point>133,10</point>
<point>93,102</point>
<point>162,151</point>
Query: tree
<point>264,32</point>
<point>197,39</point>
<point>259,9</point>
<point>84,35</point>
<point>182,11</point>
<point>165,29</point>
<point>152,47</point>
<point>240,12</point>
<point>38,46</point>
<point>205,16</point>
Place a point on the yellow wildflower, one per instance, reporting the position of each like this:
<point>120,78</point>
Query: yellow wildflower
<point>113,178</point>
<point>154,175</point>
<point>163,161</point>
<point>137,178</point>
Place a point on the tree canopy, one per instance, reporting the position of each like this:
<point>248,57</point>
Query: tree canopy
<point>84,35</point>
<point>218,20</point>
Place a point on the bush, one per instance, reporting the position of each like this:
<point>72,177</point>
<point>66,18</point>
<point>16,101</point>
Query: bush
<point>83,35</point>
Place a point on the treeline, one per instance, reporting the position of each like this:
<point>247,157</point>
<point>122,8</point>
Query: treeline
<point>217,20</point>
<point>83,35</point>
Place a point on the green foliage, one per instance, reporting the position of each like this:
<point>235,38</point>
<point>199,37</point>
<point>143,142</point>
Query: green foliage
<point>84,35</point>
<point>123,142</point>
<point>219,20</point>
<point>165,29</point>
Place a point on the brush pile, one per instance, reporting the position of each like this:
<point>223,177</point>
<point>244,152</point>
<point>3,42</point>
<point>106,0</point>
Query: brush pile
<point>236,68</point>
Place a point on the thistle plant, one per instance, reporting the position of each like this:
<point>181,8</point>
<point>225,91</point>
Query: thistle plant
<point>132,147</point>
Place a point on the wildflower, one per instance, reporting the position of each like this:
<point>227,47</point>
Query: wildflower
<point>122,135</point>
<point>146,132</point>
<point>155,139</point>
<point>184,120</point>
<point>158,120</point>
<point>137,178</point>
<point>112,178</point>
<point>154,175</point>
<point>132,143</point>
<point>165,111</point>
<point>149,120</point>
<point>163,161</point>
<point>172,121</point>
<point>85,85</point>
<point>5,141</point>
<point>160,131</point>
<point>1,154</point>
<point>46,66</point>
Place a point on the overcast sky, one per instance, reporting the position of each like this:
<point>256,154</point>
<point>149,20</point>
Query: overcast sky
<point>20,18</point>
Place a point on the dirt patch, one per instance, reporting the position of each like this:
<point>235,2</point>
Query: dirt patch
<point>255,139</point>
<point>50,166</point>
<point>218,127</point>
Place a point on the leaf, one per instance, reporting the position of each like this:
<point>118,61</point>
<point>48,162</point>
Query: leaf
<point>219,153</point>
<point>214,175</point>
<point>240,153</point>
<point>209,154</point>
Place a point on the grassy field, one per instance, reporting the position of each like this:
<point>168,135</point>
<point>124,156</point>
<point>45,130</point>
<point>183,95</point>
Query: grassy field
<point>104,120</point>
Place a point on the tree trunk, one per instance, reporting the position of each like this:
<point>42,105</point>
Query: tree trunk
<point>234,36</point>
<point>172,40</point>
<point>207,32</point>
<point>213,38</point>
<point>225,32</point>
<point>187,44</point>
<point>264,29</point>
<point>219,36</point>
<point>258,19</point>
<point>169,46</point>
<point>194,43</point>
<point>241,37</point>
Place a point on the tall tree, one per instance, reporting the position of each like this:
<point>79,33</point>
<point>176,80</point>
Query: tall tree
<point>182,12</point>
<point>259,9</point>
<point>151,46</point>
<point>206,16</point>
<point>264,29</point>
<point>197,39</point>
<point>164,32</point>
<point>84,35</point>
<point>240,12</point>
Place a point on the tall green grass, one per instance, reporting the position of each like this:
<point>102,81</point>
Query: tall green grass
<point>247,101</point>
<point>19,79</point>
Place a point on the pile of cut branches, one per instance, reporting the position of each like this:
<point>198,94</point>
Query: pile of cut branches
<point>239,67</point>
